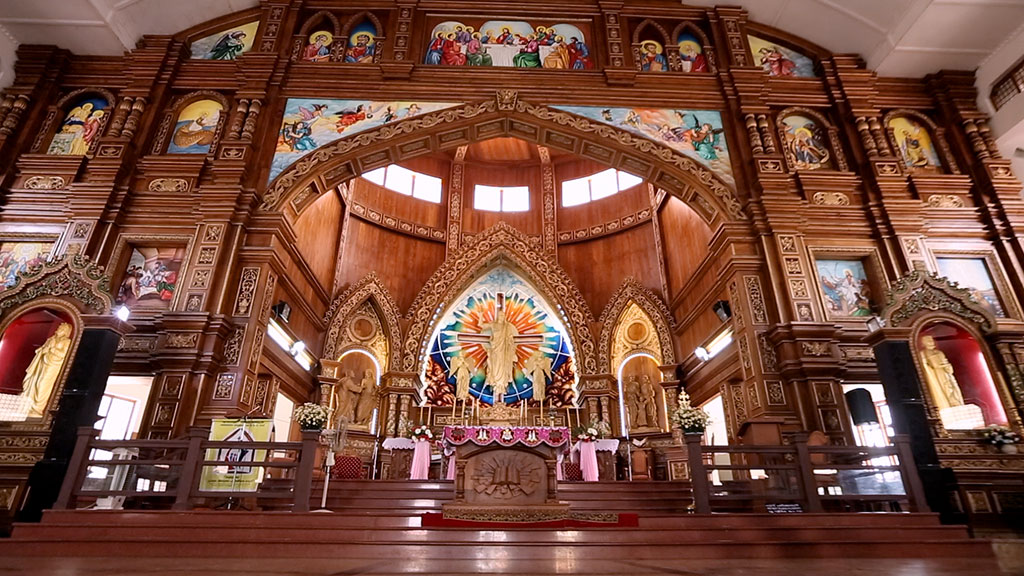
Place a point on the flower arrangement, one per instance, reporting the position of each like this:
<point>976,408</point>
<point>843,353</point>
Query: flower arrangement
<point>587,434</point>
<point>999,435</point>
<point>422,433</point>
<point>687,418</point>
<point>310,416</point>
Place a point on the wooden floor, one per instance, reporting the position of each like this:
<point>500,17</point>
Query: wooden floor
<point>375,529</point>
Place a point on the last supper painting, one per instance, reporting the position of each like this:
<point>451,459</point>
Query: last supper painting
<point>491,287</point>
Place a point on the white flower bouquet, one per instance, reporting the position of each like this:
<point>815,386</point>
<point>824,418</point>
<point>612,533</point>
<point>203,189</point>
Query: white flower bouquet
<point>998,435</point>
<point>687,418</point>
<point>310,416</point>
<point>422,433</point>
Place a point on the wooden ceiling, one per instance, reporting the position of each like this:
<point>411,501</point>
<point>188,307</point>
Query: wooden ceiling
<point>506,150</point>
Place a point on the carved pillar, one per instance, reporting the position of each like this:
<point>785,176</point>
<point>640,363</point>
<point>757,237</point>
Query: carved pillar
<point>120,115</point>
<point>548,203</point>
<point>131,124</point>
<point>13,117</point>
<point>400,399</point>
<point>249,126</point>
<point>599,395</point>
<point>756,146</point>
<point>234,130</point>
<point>613,33</point>
<point>455,192</point>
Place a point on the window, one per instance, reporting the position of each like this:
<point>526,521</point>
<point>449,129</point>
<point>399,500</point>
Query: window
<point>597,186</point>
<point>407,182</point>
<point>501,199</point>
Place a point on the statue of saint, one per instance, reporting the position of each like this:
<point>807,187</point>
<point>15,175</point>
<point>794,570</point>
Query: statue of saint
<point>44,370</point>
<point>367,398</point>
<point>538,366</point>
<point>648,398</point>
<point>346,396</point>
<point>463,372</point>
<point>938,373</point>
<point>637,416</point>
<point>501,356</point>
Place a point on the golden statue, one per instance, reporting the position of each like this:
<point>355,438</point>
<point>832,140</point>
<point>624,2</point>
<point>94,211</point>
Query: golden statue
<point>367,398</point>
<point>459,366</point>
<point>44,370</point>
<point>501,357</point>
<point>538,366</point>
<point>346,397</point>
<point>938,374</point>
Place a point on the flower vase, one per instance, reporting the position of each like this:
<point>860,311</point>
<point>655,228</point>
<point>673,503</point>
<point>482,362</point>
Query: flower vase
<point>1008,448</point>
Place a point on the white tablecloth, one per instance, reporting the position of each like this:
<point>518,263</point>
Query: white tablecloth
<point>399,444</point>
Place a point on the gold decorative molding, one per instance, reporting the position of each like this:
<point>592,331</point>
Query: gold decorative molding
<point>921,291</point>
<point>45,183</point>
<point>370,290</point>
<point>386,220</point>
<point>72,275</point>
<point>168,185</point>
<point>606,228</point>
<point>629,294</point>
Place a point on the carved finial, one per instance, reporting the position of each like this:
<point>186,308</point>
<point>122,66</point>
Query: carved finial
<point>507,99</point>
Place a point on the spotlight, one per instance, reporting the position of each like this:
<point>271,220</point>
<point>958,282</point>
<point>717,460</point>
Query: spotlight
<point>297,348</point>
<point>702,353</point>
<point>282,310</point>
<point>123,313</point>
<point>722,309</point>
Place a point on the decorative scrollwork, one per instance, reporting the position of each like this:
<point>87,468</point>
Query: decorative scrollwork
<point>73,275</point>
<point>371,289</point>
<point>631,291</point>
<point>921,291</point>
<point>45,183</point>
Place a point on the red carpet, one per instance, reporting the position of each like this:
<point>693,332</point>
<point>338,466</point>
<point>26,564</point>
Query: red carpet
<point>437,520</point>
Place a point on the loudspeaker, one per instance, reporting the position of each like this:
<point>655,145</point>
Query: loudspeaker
<point>281,310</point>
<point>862,408</point>
<point>722,309</point>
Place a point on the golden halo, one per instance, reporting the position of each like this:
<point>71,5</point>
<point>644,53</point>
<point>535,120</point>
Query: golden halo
<point>367,35</point>
<point>697,48</point>
<point>657,47</point>
<point>327,36</point>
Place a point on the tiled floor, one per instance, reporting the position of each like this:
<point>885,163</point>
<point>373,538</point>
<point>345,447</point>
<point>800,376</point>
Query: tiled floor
<point>625,567</point>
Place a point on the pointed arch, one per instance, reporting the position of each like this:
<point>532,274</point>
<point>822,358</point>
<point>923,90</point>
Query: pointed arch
<point>937,133</point>
<point>338,318</point>
<point>834,142</point>
<point>921,292</point>
<point>632,292</point>
<point>359,18</point>
<point>500,243</point>
<point>648,23</point>
<point>709,49</point>
<point>338,161</point>
<point>163,137</point>
<point>317,19</point>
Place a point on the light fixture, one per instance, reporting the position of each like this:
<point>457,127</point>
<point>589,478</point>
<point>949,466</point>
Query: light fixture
<point>702,353</point>
<point>722,310</point>
<point>875,324</point>
<point>123,313</point>
<point>297,348</point>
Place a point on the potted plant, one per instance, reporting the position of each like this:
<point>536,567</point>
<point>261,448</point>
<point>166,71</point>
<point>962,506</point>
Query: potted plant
<point>688,419</point>
<point>1002,438</point>
<point>311,417</point>
<point>586,434</point>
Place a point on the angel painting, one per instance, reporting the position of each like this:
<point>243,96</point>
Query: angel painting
<point>298,135</point>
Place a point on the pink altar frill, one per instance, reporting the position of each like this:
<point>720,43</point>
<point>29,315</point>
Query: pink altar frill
<point>420,461</point>
<point>451,467</point>
<point>588,461</point>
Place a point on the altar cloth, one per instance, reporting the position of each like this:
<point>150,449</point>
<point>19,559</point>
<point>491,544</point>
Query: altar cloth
<point>506,435</point>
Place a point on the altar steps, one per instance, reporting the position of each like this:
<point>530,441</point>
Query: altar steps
<point>286,535</point>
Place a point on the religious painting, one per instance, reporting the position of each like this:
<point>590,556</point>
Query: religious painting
<point>806,143</point>
<point>196,128</point>
<point>33,351</point>
<point>499,341</point>
<point>509,43</point>
<point>361,47</point>
<point>652,57</point>
<point>974,275</point>
<point>151,278</point>
<point>778,60</point>
<point>355,394</point>
<point>845,288</point>
<point>695,133</point>
<point>226,45</point>
<point>956,374</point>
<point>309,123</point>
<point>80,128</point>
<point>915,145</point>
<point>691,53</point>
<point>319,47</point>
<point>19,257</point>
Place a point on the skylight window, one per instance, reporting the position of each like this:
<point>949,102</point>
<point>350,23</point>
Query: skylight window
<point>597,186</point>
<point>406,182</point>
<point>501,199</point>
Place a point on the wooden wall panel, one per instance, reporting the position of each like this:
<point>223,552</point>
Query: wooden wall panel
<point>398,205</point>
<point>599,212</point>
<point>404,263</point>
<point>599,266</point>
<point>318,230</point>
<point>685,239</point>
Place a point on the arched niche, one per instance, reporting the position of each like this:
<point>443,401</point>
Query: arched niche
<point>322,23</point>
<point>365,317</point>
<point>919,142</point>
<point>74,124</point>
<point>804,134</point>
<point>500,311</point>
<point>189,125</point>
<point>651,47</point>
<point>958,375</point>
<point>635,321</point>
<point>641,398</point>
<point>355,396</point>
<point>362,39</point>
<point>37,343</point>
<point>336,162</point>
<point>686,57</point>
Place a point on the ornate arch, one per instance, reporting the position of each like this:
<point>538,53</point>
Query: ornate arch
<point>47,130</point>
<point>924,292</point>
<point>647,22</point>
<point>937,132</point>
<point>370,290</point>
<point>709,51</point>
<point>343,159</point>
<point>357,18</point>
<point>171,114</point>
<point>500,242</point>
<point>833,132</point>
<point>316,19</point>
<point>632,292</point>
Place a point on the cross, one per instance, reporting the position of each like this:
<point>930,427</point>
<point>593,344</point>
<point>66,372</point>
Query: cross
<point>484,339</point>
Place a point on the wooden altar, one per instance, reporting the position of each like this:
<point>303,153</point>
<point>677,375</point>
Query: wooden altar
<point>506,474</point>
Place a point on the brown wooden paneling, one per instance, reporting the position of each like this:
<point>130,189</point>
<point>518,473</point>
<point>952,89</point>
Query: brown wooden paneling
<point>474,221</point>
<point>599,266</point>
<point>685,238</point>
<point>318,230</point>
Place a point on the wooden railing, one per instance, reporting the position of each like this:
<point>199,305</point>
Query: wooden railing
<point>804,478</point>
<point>167,473</point>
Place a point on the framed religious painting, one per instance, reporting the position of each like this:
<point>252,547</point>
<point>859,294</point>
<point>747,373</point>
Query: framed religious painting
<point>778,60</point>
<point>979,272</point>
<point>19,254</point>
<point>850,282</point>
<point>152,272</point>
<point>226,44</point>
